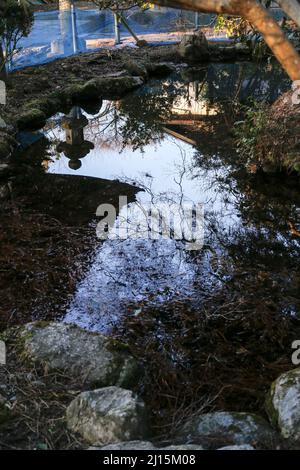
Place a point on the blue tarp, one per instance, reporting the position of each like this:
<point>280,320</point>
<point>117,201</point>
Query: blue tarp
<point>58,34</point>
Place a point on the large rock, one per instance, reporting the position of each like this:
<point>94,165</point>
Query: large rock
<point>102,87</point>
<point>108,415</point>
<point>193,47</point>
<point>31,119</point>
<point>226,428</point>
<point>146,445</point>
<point>283,404</point>
<point>92,357</point>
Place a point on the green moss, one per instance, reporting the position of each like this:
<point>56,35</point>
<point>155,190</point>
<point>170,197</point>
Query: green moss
<point>31,120</point>
<point>73,92</point>
<point>48,106</point>
<point>91,89</point>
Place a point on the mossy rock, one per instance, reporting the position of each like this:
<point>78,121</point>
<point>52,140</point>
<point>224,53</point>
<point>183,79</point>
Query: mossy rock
<point>90,357</point>
<point>31,120</point>
<point>104,87</point>
<point>49,105</point>
<point>117,86</point>
<point>91,90</point>
<point>73,92</point>
<point>108,415</point>
<point>229,428</point>
<point>283,404</point>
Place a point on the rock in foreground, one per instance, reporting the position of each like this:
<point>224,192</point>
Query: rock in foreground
<point>283,404</point>
<point>93,358</point>
<point>226,429</point>
<point>108,415</point>
<point>146,445</point>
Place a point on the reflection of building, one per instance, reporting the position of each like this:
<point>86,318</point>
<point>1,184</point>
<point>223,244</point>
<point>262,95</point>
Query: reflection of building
<point>193,105</point>
<point>75,147</point>
<point>189,111</point>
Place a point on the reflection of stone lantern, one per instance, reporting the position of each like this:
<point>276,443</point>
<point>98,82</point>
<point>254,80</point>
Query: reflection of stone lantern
<point>75,147</point>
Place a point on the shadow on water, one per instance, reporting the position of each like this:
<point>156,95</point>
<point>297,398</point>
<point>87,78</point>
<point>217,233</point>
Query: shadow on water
<point>219,320</point>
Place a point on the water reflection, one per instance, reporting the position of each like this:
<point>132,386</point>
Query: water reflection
<point>247,220</point>
<point>75,147</point>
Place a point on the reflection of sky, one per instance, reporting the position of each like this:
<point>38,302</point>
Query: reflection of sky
<point>165,168</point>
<point>141,270</point>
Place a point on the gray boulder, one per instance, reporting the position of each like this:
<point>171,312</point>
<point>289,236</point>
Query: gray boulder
<point>92,357</point>
<point>131,445</point>
<point>145,445</point>
<point>108,415</point>
<point>224,428</point>
<point>31,119</point>
<point>283,404</point>
<point>194,48</point>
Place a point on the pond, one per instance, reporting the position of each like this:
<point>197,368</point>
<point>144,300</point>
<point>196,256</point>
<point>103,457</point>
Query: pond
<point>162,140</point>
<point>170,141</point>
